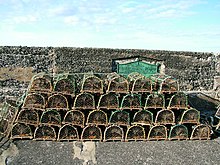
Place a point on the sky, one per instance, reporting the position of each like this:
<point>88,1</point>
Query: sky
<point>179,25</point>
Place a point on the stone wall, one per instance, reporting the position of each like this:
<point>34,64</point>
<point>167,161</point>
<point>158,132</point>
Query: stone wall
<point>194,70</point>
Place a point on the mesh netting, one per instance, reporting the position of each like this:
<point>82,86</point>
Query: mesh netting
<point>74,117</point>
<point>178,132</point>
<point>190,116</point>
<point>65,86</point>
<point>9,111</point>
<point>45,132</point>
<point>165,117</point>
<point>97,117</point>
<point>57,101</point>
<point>51,117</point>
<point>155,101</point>
<point>68,132</point>
<point>3,127</point>
<point>139,83</point>
<point>135,132</point>
<point>21,131</point>
<point>113,133</point>
<point>169,85</point>
<point>178,101</point>
<point>201,132</point>
<point>41,83</point>
<point>143,117</point>
<point>34,100</point>
<point>28,117</point>
<point>84,101</point>
<point>117,84</point>
<point>92,84</point>
<point>157,133</point>
<point>91,133</point>
<point>108,101</point>
<point>120,118</point>
<point>131,101</point>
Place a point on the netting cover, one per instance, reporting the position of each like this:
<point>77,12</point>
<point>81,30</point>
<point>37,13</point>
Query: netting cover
<point>57,101</point>
<point>45,132</point>
<point>139,83</point>
<point>113,133</point>
<point>67,133</point>
<point>157,133</point>
<point>21,131</point>
<point>178,132</point>
<point>92,84</point>
<point>169,85</point>
<point>131,101</point>
<point>51,117</point>
<point>34,100</point>
<point>190,116</point>
<point>108,101</point>
<point>178,101</point>
<point>143,117</point>
<point>155,101</point>
<point>65,86</point>
<point>117,84</point>
<point>120,118</point>
<point>165,117</point>
<point>84,101</point>
<point>135,132</point>
<point>91,133</point>
<point>201,132</point>
<point>97,117</point>
<point>74,117</point>
<point>28,117</point>
<point>3,127</point>
<point>42,83</point>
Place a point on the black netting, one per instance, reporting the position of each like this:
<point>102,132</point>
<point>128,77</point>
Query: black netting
<point>34,100</point>
<point>120,118</point>
<point>45,132</point>
<point>51,117</point>
<point>131,101</point>
<point>169,85</point>
<point>135,132</point>
<point>165,117</point>
<point>113,133</point>
<point>91,133</point>
<point>190,116</point>
<point>178,132</point>
<point>178,101</point>
<point>57,101</point>
<point>97,117</point>
<point>28,117</point>
<point>65,86</point>
<point>92,84</point>
<point>42,84</point>
<point>157,133</point>
<point>201,132</point>
<point>21,131</point>
<point>68,132</point>
<point>108,101</point>
<point>143,117</point>
<point>84,101</point>
<point>155,101</point>
<point>3,127</point>
<point>74,117</point>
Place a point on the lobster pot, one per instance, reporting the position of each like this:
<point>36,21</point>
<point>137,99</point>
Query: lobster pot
<point>92,133</point>
<point>178,132</point>
<point>68,133</point>
<point>113,133</point>
<point>131,101</point>
<point>165,117</point>
<point>74,117</point>
<point>139,83</point>
<point>65,86</point>
<point>143,117</point>
<point>120,118</point>
<point>201,132</point>
<point>34,100</point>
<point>92,84</point>
<point>190,116</point>
<point>97,117</point>
<point>58,102</point>
<point>28,117</point>
<point>4,127</point>
<point>9,111</point>
<point>108,101</point>
<point>45,132</point>
<point>84,101</point>
<point>135,132</point>
<point>158,132</point>
<point>21,131</point>
<point>156,101</point>
<point>41,83</point>
<point>178,101</point>
<point>117,83</point>
<point>51,117</point>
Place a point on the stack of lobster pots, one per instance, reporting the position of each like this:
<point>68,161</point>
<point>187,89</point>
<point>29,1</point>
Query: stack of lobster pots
<point>107,107</point>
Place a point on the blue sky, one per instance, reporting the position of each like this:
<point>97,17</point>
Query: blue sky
<point>188,25</point>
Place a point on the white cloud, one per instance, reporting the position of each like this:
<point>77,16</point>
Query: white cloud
<point>72,20</point>
<point>25,19</point>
